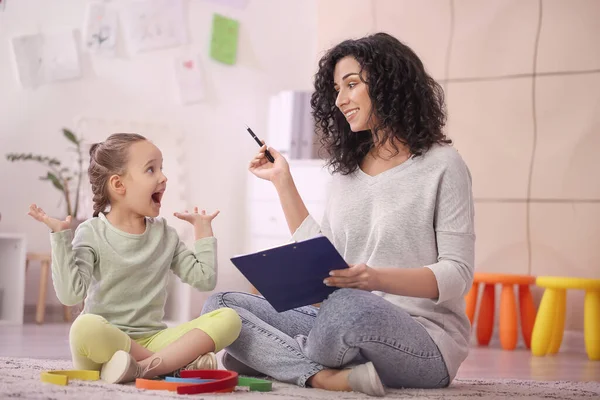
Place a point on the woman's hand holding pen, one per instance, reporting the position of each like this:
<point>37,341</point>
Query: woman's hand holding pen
<point>201,221</point>
<point>54,224</point>
<point>270,171</point>
<point>278,172</point>
<point>358,276</point>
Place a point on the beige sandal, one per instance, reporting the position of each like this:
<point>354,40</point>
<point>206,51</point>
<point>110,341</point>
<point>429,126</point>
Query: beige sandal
<point>122,368</point>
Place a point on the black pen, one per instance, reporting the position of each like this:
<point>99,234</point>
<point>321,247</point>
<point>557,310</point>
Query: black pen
<point>267,154</point>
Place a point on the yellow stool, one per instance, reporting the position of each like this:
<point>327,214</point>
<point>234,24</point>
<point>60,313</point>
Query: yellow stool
<point>550,322</point>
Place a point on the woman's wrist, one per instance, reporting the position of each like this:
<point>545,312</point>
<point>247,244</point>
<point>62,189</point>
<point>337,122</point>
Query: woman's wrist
<point>282,180</point>
<point>375,284</point>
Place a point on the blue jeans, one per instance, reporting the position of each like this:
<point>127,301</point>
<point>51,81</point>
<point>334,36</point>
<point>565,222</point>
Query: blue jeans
<point>351,327</point>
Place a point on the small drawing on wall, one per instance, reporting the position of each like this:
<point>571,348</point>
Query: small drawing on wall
<point>42,59</point>
<point>155,24</point>
<point>100,29</point>
<point>2,4</point>
<point>189,79</point>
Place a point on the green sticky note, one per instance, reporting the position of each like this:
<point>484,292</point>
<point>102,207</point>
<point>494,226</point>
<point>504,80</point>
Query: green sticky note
<point>223,45</point>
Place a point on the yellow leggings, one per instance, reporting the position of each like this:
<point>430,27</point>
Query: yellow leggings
<point>94,340</point>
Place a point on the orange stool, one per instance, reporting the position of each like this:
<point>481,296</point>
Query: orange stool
<point>508,308</point>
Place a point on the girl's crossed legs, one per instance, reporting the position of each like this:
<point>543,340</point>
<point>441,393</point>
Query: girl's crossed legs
<point>94,341</point>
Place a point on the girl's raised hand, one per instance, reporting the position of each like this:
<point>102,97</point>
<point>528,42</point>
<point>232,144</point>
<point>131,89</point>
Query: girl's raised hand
<point>197,218</point>
<point>54,224</point>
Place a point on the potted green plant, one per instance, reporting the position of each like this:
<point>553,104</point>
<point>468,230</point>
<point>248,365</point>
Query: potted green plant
<point>62,178</point>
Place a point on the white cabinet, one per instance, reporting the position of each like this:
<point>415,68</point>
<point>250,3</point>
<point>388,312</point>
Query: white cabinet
<point>13,250</point>
<point>291,126</point>
<point>265,223</point>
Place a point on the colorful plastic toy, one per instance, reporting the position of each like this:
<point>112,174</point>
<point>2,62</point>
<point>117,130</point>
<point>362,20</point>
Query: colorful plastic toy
<point>62,377</point>
<point>220,382</point>
<point>205,381</point>
<point>254,384</point>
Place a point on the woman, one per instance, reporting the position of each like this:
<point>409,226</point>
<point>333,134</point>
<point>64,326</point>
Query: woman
<point>400,212</point>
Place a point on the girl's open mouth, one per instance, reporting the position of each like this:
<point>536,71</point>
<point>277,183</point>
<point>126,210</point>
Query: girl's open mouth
<point>156,197</point>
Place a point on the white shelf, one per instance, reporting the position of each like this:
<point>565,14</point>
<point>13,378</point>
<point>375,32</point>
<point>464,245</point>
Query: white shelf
<point>13,250</point>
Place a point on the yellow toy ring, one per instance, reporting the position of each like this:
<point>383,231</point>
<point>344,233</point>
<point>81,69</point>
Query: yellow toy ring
<point>62,377</point>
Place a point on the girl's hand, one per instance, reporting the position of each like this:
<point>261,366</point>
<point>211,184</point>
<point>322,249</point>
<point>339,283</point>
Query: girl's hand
<point>264,169</point>
<point>201,222</point>
<point>197,218</point>
<point>54,224</point>
<point>358,276</point>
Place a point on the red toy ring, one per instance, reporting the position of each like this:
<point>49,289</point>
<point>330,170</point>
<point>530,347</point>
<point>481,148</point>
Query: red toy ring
<point>224,381</point>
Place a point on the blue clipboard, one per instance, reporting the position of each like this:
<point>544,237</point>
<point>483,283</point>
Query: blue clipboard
<point>291,275</point>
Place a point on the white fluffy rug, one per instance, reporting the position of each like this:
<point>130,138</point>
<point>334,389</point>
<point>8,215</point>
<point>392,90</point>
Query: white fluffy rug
<point>20,378</point>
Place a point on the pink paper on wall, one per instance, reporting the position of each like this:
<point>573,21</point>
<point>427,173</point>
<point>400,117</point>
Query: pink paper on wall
<point>189,79</point>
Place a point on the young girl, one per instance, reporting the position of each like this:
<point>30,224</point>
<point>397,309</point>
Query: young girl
<point>119,262</point>
<point>400,211</point>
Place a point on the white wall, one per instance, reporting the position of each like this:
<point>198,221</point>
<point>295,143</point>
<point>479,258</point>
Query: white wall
<point>277,51</point>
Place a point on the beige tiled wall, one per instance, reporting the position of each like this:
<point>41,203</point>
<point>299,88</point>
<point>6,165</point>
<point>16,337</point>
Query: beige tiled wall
<point>524,111</point>
<point>567,162</point>
<point>423,24</point>
<point>491,123</point>
<point>569,36</point>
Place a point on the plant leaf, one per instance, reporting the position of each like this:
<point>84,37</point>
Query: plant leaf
<point>28,156</point>
<point>55,181</point>
<point>71,136</point>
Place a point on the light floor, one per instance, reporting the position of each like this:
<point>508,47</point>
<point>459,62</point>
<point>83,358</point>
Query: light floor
<point>570,364</point>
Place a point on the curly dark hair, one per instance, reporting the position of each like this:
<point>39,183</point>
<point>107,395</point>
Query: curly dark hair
<point>408,103</point>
